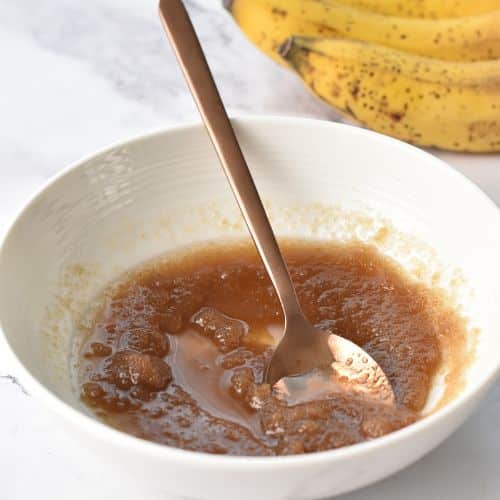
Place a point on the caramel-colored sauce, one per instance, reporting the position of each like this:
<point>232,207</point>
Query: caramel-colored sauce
<point>178,350</point>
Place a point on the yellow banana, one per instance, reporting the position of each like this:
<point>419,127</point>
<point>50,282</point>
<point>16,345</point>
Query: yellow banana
<point>434,9</point>
<point>450,105</point>
<point>470,38</point>
<point>268,27</point>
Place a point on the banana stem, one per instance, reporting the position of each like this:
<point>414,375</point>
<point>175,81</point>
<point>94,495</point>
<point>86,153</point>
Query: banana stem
<point>285,47</point>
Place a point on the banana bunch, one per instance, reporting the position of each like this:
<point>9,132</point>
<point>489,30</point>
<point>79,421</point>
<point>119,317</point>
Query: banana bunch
<point>429,79</point>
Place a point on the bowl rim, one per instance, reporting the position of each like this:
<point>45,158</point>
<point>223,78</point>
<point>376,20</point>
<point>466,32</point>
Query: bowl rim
<point>100,430</point>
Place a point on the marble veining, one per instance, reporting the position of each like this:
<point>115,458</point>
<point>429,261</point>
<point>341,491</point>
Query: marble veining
<point>77,76</point>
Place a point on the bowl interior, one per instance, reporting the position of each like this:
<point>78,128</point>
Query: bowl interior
<point>166,191</point>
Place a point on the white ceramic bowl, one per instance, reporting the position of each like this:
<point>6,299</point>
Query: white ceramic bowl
<point>166,190</point>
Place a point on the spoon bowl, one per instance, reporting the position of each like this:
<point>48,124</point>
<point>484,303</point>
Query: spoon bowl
<point>325,363</point>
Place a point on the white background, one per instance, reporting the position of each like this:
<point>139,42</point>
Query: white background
<point>76,76</point>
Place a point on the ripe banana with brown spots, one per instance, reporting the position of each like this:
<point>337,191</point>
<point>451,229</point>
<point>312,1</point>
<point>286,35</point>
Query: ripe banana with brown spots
<point>450,105</point>
<point>433,9</point>
<point>471,38</point>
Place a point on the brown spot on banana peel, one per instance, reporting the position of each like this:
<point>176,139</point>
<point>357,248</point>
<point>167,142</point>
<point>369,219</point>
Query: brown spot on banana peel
<point>279,12</point>
<point>355,91</point>
<point>395,116</point>
<point>227,4</point>
<point>480,129</point>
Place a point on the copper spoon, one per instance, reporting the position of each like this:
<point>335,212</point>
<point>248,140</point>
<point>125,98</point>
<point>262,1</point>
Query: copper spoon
<point>302,347</point>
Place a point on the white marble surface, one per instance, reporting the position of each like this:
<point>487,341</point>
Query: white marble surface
<point>76,76</point>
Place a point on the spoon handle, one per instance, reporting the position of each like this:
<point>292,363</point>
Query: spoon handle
<point>197,73</point>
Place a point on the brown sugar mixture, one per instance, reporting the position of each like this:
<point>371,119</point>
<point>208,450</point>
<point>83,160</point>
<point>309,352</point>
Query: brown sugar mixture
<point>177,352</point>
